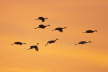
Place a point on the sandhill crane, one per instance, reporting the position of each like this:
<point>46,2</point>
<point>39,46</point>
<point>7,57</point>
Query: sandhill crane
<point>42,19</point>
<point>34,47</point>
<point>60,29</point>
<point>18,43</point>
<point>51,41</point>
<point>42,26</point>
<point>83,42</point>
<point>90,31</point>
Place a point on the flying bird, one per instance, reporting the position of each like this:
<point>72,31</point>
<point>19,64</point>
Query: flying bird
<point>60,29</point>
<point>42,26</point>
<point>18,43</point>
<point>90,31</point>
<point>51,41</point>
<point>83,42</point>
<point>34,47</point>
<point>42,19</point>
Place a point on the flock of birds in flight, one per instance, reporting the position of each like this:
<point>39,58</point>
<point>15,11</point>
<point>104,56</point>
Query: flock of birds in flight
<point>60,29</point>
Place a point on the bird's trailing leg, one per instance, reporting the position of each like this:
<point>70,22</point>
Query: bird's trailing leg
<point>29,49</point>
<point>95,30</point>
<point>46,44</point>
<point>36,28</point>
<point>89,41</point>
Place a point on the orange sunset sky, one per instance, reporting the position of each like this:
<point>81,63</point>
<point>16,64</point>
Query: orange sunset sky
<point>17,23</point>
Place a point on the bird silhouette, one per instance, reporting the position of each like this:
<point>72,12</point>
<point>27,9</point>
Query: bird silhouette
<point>51,41</point>
<point>34,47</point>
<point>90,31</point>
<point>60,29</point>
<point>42,26</point>
<point>42,19</point>
<point>18,43</point>
<point>83,42</point>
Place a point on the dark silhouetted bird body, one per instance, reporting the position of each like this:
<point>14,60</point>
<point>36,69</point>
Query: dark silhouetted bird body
<point>19,43</point>
<point>34,47</point>
<point>60,29</point>
<point>90,31</point>
<point>42,26</point>
<point>83,42</point>
<point>51,41</point>
<point>42,19</point>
